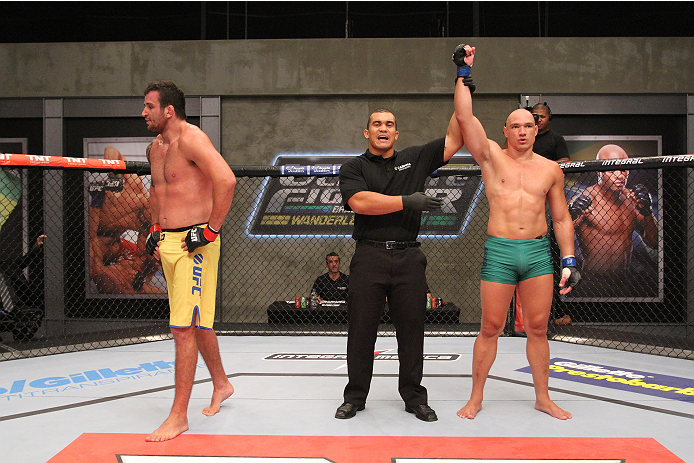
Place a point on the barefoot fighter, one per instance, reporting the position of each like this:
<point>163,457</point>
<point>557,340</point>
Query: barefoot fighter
<point>517,183</point>
<point>190,196</point>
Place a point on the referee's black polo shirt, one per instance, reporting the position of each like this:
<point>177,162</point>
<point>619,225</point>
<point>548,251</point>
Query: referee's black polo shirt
<point>403,173</point>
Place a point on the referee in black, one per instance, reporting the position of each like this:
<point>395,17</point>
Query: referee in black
<point>385,188</point>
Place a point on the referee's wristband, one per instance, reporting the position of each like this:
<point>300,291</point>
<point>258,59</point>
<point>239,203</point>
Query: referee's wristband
<point>210,233</point>
<point>568,261</point>
<point>155,227</point>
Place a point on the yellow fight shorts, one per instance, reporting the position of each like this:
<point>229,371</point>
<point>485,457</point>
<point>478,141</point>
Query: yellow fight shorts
<point>191,281</point>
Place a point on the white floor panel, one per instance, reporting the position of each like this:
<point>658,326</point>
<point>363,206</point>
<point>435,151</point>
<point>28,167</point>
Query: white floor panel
<point>299,397</point>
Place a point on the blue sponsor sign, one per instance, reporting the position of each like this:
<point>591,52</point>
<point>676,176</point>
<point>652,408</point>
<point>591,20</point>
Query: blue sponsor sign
<point>640,382</point>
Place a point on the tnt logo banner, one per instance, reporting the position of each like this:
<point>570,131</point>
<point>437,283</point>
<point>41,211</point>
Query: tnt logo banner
<point>312,205</point>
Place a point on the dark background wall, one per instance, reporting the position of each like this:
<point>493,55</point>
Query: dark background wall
<point>136,21</point>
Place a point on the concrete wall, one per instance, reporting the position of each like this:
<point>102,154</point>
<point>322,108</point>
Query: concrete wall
<point>348,66</point>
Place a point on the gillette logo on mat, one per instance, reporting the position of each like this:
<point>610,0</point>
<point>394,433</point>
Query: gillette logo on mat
<point>90,378</point>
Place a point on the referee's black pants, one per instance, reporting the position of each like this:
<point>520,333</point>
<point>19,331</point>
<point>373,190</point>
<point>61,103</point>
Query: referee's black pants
<point>399,275</point>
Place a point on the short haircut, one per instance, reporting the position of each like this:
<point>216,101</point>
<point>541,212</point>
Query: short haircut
<point>169,94</point>
<point>332,254</point>
<point>543,106</point>
<point>381,110</point>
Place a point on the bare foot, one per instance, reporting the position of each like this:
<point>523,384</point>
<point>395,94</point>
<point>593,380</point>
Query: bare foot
<point>470,410</point>
<point>552,409</point>
<point>218,396</point>
<point>168,430</point>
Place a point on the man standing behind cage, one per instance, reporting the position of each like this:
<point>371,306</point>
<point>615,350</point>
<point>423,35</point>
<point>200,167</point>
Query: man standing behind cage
<point>548,143</point>
<point>332,286</point>
<point>385,188</point>
<point>517,183</point>
<point>190,195</point>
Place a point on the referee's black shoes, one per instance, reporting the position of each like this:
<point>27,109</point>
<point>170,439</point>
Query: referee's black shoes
<point>347,410</point>
<point>423,412</point>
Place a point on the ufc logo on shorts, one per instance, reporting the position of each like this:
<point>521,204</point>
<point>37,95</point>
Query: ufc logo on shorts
<point>197,274</point>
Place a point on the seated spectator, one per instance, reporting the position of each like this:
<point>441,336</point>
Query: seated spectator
<point>332,286</point>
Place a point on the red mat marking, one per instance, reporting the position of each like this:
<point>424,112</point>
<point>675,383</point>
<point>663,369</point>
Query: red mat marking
<point>102,448</point>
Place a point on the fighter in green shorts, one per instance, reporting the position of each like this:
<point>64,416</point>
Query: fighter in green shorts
<point>510,261</point>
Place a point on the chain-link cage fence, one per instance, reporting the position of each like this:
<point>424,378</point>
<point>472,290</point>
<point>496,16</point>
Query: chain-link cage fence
<point>89,283</point>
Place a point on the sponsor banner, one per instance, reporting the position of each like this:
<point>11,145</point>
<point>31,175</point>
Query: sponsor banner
<point>640,382</point>
<point>49,385</point>
<point>31,160</point>
<point>309,201</point>
<point>377,356</point>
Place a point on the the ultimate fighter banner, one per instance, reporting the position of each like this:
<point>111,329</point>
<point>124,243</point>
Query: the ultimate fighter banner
<point>310,203</point>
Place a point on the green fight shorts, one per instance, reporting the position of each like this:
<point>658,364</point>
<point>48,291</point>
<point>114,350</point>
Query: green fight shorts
<point>510,261</point>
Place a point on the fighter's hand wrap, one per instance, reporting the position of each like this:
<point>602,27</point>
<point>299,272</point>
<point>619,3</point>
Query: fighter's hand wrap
<point>199,236</point>
<point>420,202</point>
<point>153,239</point>
<point>579,205</point>
<point>644,201</point>
<point>570,272</point>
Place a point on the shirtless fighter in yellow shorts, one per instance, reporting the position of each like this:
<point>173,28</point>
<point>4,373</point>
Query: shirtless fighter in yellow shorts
<point>192,185</point>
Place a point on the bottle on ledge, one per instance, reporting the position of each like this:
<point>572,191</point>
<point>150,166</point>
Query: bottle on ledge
<point>314,299</point>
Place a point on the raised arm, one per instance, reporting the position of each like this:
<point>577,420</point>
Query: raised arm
<point>454,139</point>
<point>471,129</point>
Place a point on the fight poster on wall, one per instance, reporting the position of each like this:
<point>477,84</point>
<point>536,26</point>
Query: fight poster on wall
<point>13,204</point>
<point>117,224</point>
<point>12,185</point>
<point>617,218</point>
<point>312,205</point>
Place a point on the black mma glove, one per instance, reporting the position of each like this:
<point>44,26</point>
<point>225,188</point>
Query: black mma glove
<point>114,182</point>
<point>153,239</point>
<point>570,271</point>
<point>459,55</point>
<point>199,236</point>
<point>579,205</point>
<point>139,280</point>
<point>96,189</point>
<point>420,202</point>
<point>644,201</point>
<point>141,275</point>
